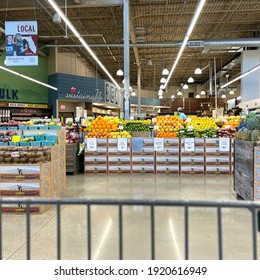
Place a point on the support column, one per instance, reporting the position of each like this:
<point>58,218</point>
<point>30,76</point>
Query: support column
<point>126,60</point>
<point>139,89</point>
<point>210,79</point>
<point>250,85</point>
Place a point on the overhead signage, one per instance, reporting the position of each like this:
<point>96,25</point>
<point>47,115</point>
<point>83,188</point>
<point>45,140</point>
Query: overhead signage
<point>189,145</point>
<point>21,43</point>
<point>6,93</point>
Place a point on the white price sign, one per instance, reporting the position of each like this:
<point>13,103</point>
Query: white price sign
<point>121,127</point>
<point>92,144</point>
<point>158,144</point>
<point>224,144</point>
<point>189,145</point>
<point>122,144</point>
<point>155,127</point>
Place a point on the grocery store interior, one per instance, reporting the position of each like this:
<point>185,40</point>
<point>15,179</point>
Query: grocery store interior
<point>150,108</point>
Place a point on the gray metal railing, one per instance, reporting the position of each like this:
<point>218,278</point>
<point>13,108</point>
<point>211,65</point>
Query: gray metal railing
<point>219,205</point>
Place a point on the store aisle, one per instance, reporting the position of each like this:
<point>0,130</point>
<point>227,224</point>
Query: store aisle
<point>169,234</point>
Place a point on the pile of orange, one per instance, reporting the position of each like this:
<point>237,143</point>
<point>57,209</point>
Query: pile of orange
<point>98,135</point>
<point>166,135</point>
<point>101,124</point>
<point>169,123</point>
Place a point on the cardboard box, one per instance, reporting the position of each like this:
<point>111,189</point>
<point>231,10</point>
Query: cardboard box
<point>55,166</point>
<point>95,169</point>
<point>217,161</point>
<point>171,142</point>
<point>143,160</point>
<point>119,160</point>
<point>62,164</point>
<point>215,152</point>
<point>192,161</point>
<point>41,188</point>
<point>167,169</point>
<point>55,152</point>
<point>119,169</point>
<point>218,170</point>
<point>192,169</point>
<point>24,172</point>
<point>61,136</point>
<point>169,160</point>
<point>143,169</point>
<point>256,190</point>
<point>21,208</point>
<point>62,150</point>
<point>96,160</point>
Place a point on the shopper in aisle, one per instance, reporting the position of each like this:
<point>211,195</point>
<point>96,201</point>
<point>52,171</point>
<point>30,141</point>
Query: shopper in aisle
<point>181,114</point>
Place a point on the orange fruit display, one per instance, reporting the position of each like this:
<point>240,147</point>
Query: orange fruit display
<point>169,124</point>
<point>104,125</point>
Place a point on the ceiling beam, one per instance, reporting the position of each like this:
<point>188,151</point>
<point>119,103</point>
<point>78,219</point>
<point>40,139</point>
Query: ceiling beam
<point>133,38</point>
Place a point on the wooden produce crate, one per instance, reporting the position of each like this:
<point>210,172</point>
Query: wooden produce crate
<point>72,160</point>
<point>244,169</point>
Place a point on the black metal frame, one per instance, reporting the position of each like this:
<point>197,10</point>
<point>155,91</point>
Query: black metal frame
<point>250,205</point>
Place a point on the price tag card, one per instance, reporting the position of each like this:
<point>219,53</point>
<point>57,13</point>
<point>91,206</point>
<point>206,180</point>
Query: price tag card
<point>189,145</point>
<point>91,144</point>
<point>158,144</point>
<point>153,120</point>
<point>155,127</point>
<point>15,154</point>
<point>16,138</point>
<point>122,144</point>
<point>121,127</point>
<point>224,144</point>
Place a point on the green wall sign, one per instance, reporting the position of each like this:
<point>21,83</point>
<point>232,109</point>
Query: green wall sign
<point>17,89</point>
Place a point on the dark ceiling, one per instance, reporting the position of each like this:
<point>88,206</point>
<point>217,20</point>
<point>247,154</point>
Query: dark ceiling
<point>156,29</point>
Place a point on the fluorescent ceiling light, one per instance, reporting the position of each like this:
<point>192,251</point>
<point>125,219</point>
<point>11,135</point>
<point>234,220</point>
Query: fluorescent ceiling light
<point>185,86</point>
<point>202,92</point>
<point>241,76</point>
<point>83,42</point>
<point>186,38</point>
<point>190,80</point>
<point>27,78</point>
<point>198,71</point>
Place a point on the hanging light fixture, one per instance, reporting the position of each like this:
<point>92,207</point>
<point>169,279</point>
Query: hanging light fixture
<point>160,97</point>
<point>231,91</point>
<point>198,71</point>
<point>197,96</point>
<point>119,72</point>
<point>185,86</point>
<point>165,71</point>
<point>179,92</point>
<point>133,93</point>
<point>123,81</point>
<point>223,96</point>
<point>173,96</point>
<point>163,80</point>
<point>203,92</point>
<point>160,92</point>
<point>162,87</point>
<point>190,80</point>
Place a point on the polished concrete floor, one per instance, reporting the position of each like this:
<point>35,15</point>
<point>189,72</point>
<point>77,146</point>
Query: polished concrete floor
<point>169,221</point>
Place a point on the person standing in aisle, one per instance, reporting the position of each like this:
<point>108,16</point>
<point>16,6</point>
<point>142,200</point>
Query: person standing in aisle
<point>181,115</point>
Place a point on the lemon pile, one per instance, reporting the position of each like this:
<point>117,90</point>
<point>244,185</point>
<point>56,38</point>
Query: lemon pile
<point>123,134</point>
<point>200,123</point>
